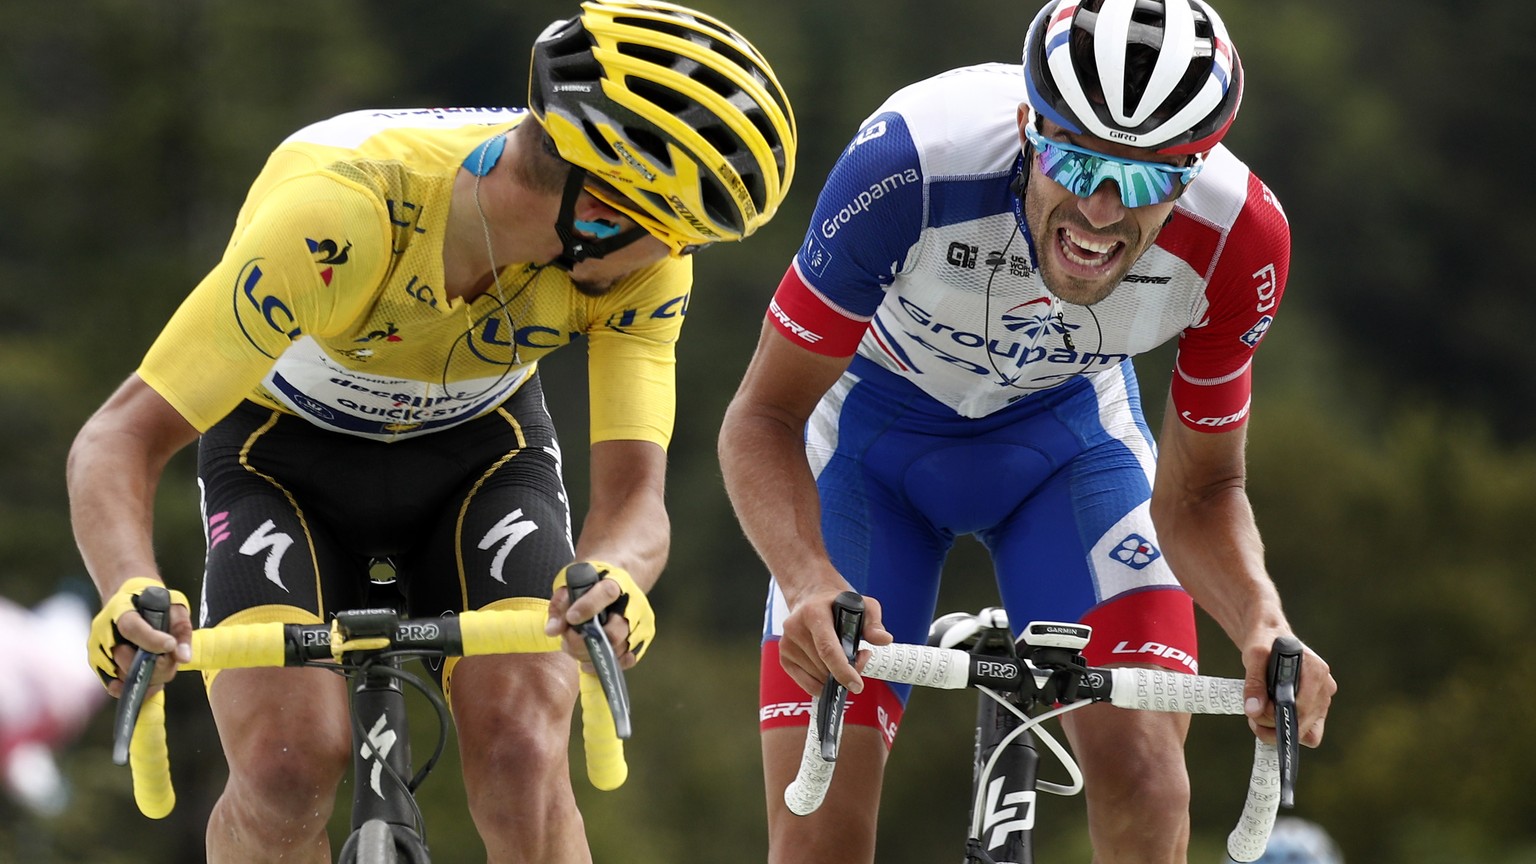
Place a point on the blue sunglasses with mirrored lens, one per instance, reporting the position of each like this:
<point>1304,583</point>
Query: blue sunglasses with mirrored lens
<point>1081,170</point>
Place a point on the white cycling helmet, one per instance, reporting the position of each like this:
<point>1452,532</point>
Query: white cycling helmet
<point>1158,74</point>
<point>1297,841</point>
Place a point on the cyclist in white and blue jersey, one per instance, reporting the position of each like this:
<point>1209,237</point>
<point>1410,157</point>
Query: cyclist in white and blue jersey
<point>950,353</point>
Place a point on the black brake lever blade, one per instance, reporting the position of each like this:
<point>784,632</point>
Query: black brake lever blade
<point>848,622</point>
<point>579,578</point>
<point>154,605</point>
<point>1284,680</point>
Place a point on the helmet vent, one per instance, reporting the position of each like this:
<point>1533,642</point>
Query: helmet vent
<point>653,25</point>
<point>719,205</point>
<point>650,144</point>
<point>598,141</point>
<point>665,98</point>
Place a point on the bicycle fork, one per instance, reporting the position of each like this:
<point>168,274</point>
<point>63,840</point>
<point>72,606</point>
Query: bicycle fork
<point>1001,833</point>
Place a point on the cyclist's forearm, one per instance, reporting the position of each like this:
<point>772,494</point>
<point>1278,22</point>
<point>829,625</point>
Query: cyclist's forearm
<point>627,523</point>
<point>774,495</point>
<point>113,473</point>
<point>1214,548</point>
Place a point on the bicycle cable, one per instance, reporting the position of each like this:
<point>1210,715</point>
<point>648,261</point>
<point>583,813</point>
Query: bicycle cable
<point>439,707</point>
<point>1056,747</point>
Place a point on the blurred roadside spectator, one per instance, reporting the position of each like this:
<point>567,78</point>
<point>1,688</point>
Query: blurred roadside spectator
<point>46,701</point>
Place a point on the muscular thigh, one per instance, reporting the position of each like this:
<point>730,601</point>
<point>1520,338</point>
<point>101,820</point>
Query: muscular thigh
<point>1082,546</point>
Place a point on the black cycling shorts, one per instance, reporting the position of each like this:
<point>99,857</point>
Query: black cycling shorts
<point>296,515</point>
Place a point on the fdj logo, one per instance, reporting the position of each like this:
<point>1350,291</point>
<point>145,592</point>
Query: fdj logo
<point>961,255</point>
<point>1252,337</point>
<point>1135,552</point>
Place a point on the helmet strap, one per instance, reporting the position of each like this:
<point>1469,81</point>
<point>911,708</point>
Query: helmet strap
<point>577,248</point>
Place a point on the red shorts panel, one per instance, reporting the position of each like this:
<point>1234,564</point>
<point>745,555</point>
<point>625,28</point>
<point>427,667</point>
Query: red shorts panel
<point>783,704</point>
<point>1153,625</point>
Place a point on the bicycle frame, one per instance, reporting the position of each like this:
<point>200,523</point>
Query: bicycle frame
<point>1007,820</point>
<point>381,759</point>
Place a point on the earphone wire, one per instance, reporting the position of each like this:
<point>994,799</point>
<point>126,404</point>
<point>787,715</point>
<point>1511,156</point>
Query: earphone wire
<point>503,302</point>
<point>1053,313</point>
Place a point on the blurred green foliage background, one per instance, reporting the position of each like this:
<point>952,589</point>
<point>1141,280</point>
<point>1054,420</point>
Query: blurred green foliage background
<point>1392,465</point>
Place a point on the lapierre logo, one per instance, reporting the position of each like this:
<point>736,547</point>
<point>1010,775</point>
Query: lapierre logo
<point>1216,422</point>
<point>1158,649</point>
<point>1006,814</point>
<point>793,326</point>
<point>1138,279</point>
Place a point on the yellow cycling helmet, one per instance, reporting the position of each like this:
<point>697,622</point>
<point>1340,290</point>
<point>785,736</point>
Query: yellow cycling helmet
<point>675,112</point>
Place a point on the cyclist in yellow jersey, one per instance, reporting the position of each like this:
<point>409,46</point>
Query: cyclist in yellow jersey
<point>360,372</point>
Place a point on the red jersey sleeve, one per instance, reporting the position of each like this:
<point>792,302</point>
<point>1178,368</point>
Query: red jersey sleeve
<point>1212,381</point>
<point>808,318</point>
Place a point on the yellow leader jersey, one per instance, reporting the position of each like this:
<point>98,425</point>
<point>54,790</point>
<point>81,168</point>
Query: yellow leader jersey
<point>328,302</point>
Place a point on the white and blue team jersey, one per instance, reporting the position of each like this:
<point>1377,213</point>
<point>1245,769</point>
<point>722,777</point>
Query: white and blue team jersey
<point>916,253</point>
<point>978,403</point>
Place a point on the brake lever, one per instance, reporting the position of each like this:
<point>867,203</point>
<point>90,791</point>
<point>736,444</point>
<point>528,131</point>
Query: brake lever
<point>848,622</point>
<point>579,578</point>
<point>1284,679</point>
<point>154,606</point>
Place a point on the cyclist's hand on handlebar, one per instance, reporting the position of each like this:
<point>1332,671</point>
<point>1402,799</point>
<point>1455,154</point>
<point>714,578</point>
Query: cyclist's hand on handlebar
<point>810,651</point>
<point>1313,696</point>
<point>118,632</point>
<point>631,629</point>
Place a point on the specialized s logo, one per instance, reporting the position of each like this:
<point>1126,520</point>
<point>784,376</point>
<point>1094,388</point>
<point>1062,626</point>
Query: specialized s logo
<point>380,740</point>
<point>508,532</point>
<point>1135,552</point>
<point>328,256</point>
<point>275,544</point>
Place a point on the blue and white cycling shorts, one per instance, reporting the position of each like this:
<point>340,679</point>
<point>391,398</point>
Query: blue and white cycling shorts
<point>1057,487</point>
